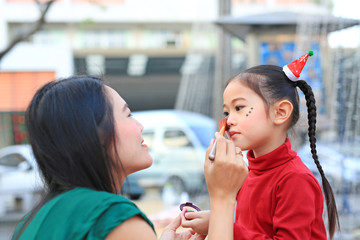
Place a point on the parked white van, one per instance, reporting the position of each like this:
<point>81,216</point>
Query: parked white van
<point>21,186</point>
<point>177,141</point>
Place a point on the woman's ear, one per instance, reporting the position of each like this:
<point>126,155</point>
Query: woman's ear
<point>283,110</point>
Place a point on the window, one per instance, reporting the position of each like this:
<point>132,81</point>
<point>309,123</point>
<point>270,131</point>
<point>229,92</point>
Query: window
<point>11,160</point>
<point>176,138</point>
<point>148,139</point>
<point>204,133</point>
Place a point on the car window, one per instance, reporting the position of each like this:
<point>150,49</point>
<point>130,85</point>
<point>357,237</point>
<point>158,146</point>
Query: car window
<point>176,138</point>
<point>148,137</point>
<point>204,134</point>
<point>12,160</point>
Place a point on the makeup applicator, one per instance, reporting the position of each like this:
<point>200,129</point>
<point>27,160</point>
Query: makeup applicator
<point>223,127</point>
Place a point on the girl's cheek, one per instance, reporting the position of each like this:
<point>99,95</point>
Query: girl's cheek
<point>245,124</point>
<point>249,118</point>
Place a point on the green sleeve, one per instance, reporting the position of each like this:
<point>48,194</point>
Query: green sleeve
<point>115,215</point>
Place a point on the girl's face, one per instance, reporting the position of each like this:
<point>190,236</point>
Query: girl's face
<point>132,151</point>
<point>250,123</point>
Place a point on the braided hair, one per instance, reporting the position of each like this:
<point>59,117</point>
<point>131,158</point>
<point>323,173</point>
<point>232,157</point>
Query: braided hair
<point>333,219</point>
<point>272,85</point>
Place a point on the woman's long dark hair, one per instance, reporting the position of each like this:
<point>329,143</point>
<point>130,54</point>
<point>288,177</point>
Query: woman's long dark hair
<point>71,130</point>
<point>272,85</point>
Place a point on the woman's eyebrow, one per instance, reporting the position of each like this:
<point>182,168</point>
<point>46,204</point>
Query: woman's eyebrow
<point>126,106</point>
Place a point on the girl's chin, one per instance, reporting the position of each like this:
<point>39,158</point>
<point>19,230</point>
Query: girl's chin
<point>241,145</point>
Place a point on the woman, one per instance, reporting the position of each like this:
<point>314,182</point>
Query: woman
<point>86,142</point>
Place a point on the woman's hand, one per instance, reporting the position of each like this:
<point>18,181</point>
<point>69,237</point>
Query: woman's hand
<point>170,233</point>
<point>197,221</point>
<point>224,175</point>
<point>227,172</point>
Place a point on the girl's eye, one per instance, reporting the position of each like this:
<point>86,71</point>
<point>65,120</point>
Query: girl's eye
<point>130,115</point>
<point>226,114</point>
<point>238,108</point>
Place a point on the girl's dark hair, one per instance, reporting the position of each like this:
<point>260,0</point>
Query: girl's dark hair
<point>71,130</point>
<point>272,85</point>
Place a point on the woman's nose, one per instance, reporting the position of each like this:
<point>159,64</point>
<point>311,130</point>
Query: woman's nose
<point>140,126</point>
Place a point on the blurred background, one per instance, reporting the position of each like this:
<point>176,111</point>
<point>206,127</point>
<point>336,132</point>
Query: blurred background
<point>172,58</point>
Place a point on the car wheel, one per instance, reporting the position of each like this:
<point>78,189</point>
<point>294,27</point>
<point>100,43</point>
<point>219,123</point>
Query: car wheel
<point>177,184</point>
<point>135,196</point>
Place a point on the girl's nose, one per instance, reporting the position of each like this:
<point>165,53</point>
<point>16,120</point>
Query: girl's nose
<point>230,120</point>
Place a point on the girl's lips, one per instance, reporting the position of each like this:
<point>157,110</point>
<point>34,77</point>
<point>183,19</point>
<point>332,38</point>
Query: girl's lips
<point>233,134</point>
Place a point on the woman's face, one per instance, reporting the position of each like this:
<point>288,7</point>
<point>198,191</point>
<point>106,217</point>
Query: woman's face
<point>250,122</point>
<point>130,146</point>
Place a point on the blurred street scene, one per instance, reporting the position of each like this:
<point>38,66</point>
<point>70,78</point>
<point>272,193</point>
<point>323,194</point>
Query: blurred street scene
<point>170,60</point>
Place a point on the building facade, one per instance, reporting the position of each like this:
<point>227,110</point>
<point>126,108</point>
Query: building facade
<point>144,49</point>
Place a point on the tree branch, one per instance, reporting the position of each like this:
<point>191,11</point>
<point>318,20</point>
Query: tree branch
<point>44,7</point>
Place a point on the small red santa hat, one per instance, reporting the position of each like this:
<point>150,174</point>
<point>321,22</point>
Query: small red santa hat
<point>293,70</point>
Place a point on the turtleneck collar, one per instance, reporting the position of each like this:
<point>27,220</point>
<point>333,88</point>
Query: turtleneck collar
<point>273,159</point>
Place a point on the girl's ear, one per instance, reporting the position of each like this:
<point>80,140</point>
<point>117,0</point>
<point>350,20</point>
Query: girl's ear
<point>283,110</point>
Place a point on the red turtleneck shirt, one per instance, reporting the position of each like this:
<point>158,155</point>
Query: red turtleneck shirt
<point>280,199</point>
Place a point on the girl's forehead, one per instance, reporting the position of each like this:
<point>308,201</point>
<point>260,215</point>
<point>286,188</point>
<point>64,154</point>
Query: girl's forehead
<point>237,83</point>
<point>239,91</point>
<point>236,87</point>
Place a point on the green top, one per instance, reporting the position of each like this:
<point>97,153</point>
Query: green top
<point>80,213</point>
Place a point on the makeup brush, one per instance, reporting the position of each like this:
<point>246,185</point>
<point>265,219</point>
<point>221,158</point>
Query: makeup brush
<point>223,127</point>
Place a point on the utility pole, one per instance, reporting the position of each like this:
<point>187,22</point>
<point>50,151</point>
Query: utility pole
<point>222,62</point>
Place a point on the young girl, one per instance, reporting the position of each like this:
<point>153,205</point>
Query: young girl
<point>86,142</point>
<point>280,198</point>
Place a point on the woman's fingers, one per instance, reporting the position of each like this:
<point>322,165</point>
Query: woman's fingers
<point>226,174</point>
<point>238,151</point>
<point>210,148</point>
<point>174,224</point>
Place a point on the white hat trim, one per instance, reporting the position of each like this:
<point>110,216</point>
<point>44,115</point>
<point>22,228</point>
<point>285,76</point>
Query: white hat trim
<point>290,74</point>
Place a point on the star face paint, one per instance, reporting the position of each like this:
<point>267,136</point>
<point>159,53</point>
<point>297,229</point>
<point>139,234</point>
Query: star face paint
<point>249,111</point>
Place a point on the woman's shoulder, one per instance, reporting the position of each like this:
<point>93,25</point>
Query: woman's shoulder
<point>86,199</point>
<point>94,202</point>
<point>82,191</point>
<point>80,212</point>
<point>90,195</point>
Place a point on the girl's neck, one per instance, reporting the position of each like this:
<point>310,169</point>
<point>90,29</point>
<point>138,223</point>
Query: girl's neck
<point>269,147</point>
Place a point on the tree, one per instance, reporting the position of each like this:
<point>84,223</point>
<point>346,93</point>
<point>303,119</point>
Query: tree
<point>30,30</point>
